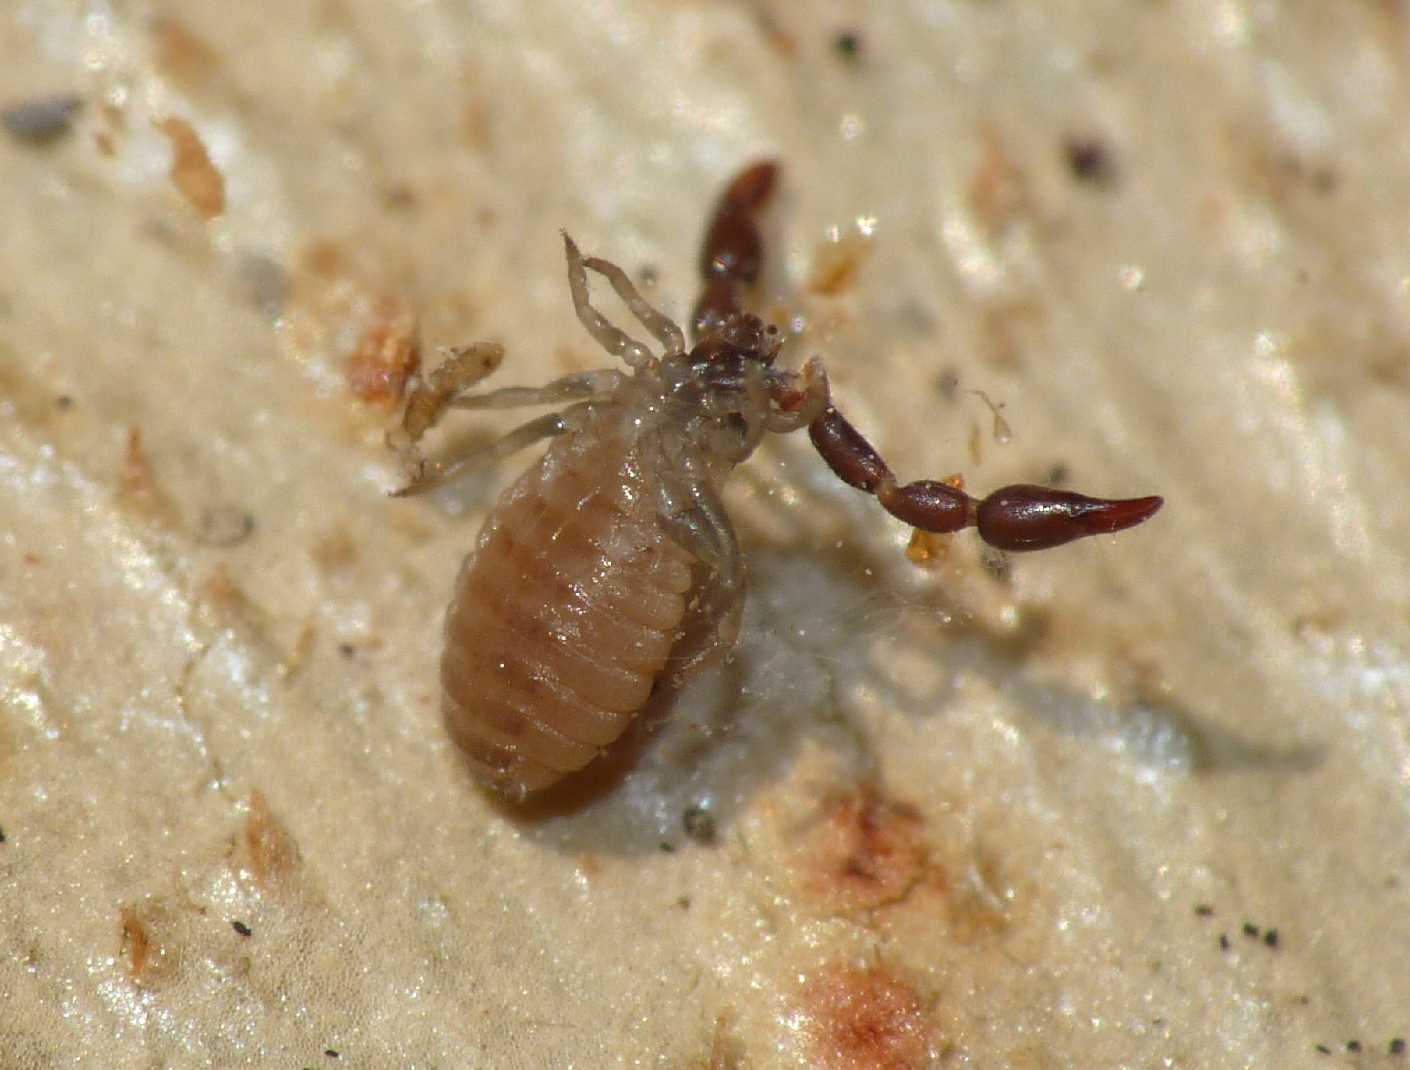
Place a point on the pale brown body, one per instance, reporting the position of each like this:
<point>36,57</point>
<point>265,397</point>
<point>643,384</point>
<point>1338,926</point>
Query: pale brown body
<point>564,615</point>
<point>613,559</point>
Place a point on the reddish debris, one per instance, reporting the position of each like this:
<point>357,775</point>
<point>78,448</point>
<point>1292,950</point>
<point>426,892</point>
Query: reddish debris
<point>191,169</point>
<point>867,1020</point>
<point>264,846</point>
<point>868,852</point>
<point>387,356</point>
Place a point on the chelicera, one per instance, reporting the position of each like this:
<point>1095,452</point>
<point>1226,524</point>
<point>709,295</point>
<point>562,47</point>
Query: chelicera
<point>612,560</point>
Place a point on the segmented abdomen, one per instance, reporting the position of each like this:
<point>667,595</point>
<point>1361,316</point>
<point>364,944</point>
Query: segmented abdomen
<point>562,618</point>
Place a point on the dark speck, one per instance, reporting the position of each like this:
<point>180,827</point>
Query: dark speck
<point>1090,161</point>
<point>241,928</point>
<point>330,1053</point>
<point>1353,1045</point>
<point>699,824</point>
<point>347,650</point>
<point>224,525</point>
<point>666,847</point>
<point>1057,475</point>
<point>40,120</point>
<point>1322,1049</point>
<point>399,197</point>
<point>1271,938</point>
<point>1324,180</point>
<point>1204,910</point>
<point>2,835</point>
<point>1396,1047</point>
<point>848,45</point>
<point>262,281</point>
<point>1223,941</point>
<point>63,401</point>
<point>1251,930</point>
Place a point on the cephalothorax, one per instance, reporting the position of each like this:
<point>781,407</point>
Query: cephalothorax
<point>613,558</point>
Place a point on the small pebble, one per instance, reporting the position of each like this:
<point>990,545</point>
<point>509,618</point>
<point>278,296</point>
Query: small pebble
<point>1090,161</point>
<point>699,824</point>
<point>40,119</point>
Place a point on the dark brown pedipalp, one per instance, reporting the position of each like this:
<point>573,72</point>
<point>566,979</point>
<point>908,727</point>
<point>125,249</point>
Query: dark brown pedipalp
<point>1025,517</point>
<point>1017,517</point>
<point>847,453</point>
<point>732,254</point>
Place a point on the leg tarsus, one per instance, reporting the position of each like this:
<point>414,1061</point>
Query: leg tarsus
<point>463,368</point>
<point>659,324</point>
<point>613,339</point>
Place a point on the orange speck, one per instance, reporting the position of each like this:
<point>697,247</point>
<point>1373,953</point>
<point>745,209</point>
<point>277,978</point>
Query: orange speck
<point>136,942</point>
<point>336,551</point>
<point>179,52</point>
<point>387,356</point>
<point>137,484</point>
<point>927,549</point>
<point>998,191</point>
<point>324,259</point>
<point>837,265</point>
<point>191,169</point>
<point>590,866</point>
<point>475,125</point>
<point>265,846</point>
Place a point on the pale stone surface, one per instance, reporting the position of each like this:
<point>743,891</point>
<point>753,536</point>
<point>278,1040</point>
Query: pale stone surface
<point>960,820</point>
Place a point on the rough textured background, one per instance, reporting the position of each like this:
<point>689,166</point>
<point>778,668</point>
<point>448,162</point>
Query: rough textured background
<point>964,814</point>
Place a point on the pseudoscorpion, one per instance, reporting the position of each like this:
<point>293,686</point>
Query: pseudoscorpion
<point>613,556</point>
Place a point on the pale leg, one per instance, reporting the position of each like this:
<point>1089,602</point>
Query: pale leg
<point>660,325</point>
<point>615,341</point>
<point>433,474</point>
